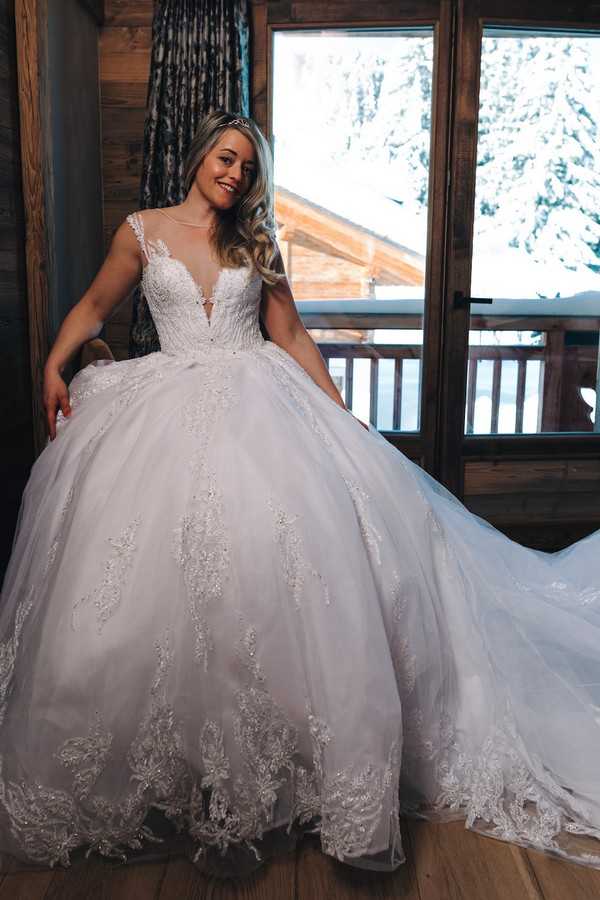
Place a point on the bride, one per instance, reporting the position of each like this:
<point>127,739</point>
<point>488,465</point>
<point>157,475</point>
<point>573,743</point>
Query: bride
<point>234,613</point>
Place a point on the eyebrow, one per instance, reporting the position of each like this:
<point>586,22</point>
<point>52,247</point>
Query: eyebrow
<point>249,161</point>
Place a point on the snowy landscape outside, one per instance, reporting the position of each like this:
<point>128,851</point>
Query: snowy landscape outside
<point>351,128</point>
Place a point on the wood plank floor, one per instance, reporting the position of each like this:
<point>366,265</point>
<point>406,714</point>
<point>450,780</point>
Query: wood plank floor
<point>444,862</point>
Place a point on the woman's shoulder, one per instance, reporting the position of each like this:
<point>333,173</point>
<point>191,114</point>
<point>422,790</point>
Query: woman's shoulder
<point>147,215</point>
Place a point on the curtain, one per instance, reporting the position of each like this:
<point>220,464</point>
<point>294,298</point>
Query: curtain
<point>200,62</point>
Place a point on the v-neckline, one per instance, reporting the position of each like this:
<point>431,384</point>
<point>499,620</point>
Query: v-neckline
<point>199,289</point>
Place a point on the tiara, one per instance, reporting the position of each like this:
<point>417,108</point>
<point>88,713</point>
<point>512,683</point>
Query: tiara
<point>240,121</point>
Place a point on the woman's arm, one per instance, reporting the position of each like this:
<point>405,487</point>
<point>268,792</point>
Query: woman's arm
<point>287,330</point>
<point>116,278</point>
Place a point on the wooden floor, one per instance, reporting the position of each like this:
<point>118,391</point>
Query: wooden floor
<point>444,862</point>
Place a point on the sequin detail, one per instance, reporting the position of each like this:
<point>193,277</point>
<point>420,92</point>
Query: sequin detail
<point>294,564</point>
<point>49,823</point>
<point>510,793</point>
<point>59,534</point>
<point>201,550</point>
<point>370,534</point>
<point>173,299</point>
<point>217,807</point>
<point>106,597</point>
<point>9,648</point>
<point>199,541</point>
<point>283,368</point>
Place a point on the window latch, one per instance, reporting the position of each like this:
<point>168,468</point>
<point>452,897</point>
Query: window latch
<point>463,302</point>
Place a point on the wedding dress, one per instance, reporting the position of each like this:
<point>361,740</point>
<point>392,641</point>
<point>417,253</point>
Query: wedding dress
<point>231,607</point>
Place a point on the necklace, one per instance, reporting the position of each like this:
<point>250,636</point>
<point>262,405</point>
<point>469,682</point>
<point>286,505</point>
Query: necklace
<point>179,222</point>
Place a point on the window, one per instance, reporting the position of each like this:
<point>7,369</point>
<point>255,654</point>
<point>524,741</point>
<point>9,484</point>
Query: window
<point>351,137</point>
<point>533,354</point>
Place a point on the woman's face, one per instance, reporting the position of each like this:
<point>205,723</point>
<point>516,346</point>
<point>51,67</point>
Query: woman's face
<point>227,171</point>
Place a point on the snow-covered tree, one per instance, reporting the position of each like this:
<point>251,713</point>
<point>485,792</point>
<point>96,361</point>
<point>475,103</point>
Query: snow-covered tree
<point>364,102</point>
<point>538,167</point>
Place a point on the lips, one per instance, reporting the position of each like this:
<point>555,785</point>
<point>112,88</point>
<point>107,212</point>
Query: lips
<point>228,187</point>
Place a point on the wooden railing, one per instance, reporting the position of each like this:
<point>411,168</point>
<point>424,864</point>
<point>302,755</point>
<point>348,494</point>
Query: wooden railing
<point>374,352</point>
<point>523,356</point>
<point>557,384</point>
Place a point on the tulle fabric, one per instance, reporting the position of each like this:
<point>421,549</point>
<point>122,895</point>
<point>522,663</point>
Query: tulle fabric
<point>223,586</point>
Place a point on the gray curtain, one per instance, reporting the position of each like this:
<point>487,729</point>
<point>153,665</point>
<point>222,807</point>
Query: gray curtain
<point>200,62</point>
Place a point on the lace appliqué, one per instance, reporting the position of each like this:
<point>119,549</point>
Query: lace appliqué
<point>199,542</point>
<point>86,756</point>
<point>176,303</point>
<point>405,662</point>
<point>49,823</point>
<point>241,808</point>
<point>276,354</point>
<point>107,596</point>
<point>148,248</point>
<point>219,808</point>
<point>291,551</point>
<point>9,648</point>
<point>499,787</point>
<point>147,370</point>
<point>58,537</point>
<point>201,550</point>
<point>370,534</point>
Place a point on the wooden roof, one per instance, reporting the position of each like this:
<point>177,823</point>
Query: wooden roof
<point>303,222</point>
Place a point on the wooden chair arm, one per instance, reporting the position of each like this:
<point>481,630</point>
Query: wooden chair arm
<point>93,350</point>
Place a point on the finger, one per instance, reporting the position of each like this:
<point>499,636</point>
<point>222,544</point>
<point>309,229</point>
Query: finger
<point>51,416</point>
<point>65,405</point>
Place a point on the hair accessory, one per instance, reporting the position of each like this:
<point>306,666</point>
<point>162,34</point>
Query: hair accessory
<point>240,121</point>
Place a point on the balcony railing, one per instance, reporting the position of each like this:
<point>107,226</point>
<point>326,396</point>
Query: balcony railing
<point>510,389</point>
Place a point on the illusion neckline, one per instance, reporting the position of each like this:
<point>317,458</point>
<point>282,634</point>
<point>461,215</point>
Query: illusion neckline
<point>199,289</point>
<point>179,222</point>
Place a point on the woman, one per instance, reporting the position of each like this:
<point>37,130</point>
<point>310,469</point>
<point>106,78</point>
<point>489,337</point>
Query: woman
<point>231,607</point>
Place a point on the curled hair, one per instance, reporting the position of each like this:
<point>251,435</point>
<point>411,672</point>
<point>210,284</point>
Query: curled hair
<point>246,232</point>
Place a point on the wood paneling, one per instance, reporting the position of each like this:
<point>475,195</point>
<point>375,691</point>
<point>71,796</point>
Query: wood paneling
<point>28,25</point>
<point>128,13</point>
<point>124,52</point>
<point>543,503</point>
<point>16,445</point>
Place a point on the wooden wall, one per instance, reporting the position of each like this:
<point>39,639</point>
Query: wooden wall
<point>71,152</point>
<point>16,443</point>
<point>124,52</point>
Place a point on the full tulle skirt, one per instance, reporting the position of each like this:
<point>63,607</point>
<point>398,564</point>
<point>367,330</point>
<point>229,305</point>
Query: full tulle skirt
<point>232,615</point>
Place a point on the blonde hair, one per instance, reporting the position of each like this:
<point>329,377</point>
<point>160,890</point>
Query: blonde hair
<point>246,232</point>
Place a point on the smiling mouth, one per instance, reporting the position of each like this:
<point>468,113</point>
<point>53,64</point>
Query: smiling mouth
<point>227,188</point>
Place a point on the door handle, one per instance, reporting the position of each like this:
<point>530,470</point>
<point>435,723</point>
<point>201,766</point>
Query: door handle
<point>463,302</point>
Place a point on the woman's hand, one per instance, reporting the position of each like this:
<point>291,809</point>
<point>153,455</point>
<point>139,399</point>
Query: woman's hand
<point>56,394</point>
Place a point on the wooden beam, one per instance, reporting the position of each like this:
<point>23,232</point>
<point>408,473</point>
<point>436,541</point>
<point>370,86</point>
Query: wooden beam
<point>29,26</point>
<point>95,9</point>
<point>347,239</point>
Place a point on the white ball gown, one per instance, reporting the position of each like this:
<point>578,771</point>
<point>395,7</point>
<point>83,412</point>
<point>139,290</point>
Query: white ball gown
<point>233,611</point>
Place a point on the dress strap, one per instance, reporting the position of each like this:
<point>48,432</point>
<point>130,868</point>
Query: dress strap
<point>135,220</point>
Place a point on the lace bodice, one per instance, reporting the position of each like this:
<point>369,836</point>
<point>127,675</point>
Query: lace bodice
<point>178,306</point>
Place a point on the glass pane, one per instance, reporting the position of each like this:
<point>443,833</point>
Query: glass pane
<point>351,136</point>
<point>377,371</point>
<point>536,244</point>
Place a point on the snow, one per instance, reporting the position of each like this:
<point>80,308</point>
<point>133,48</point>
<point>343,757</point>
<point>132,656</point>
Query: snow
<point>351,126</point>
<point>351,123</point>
